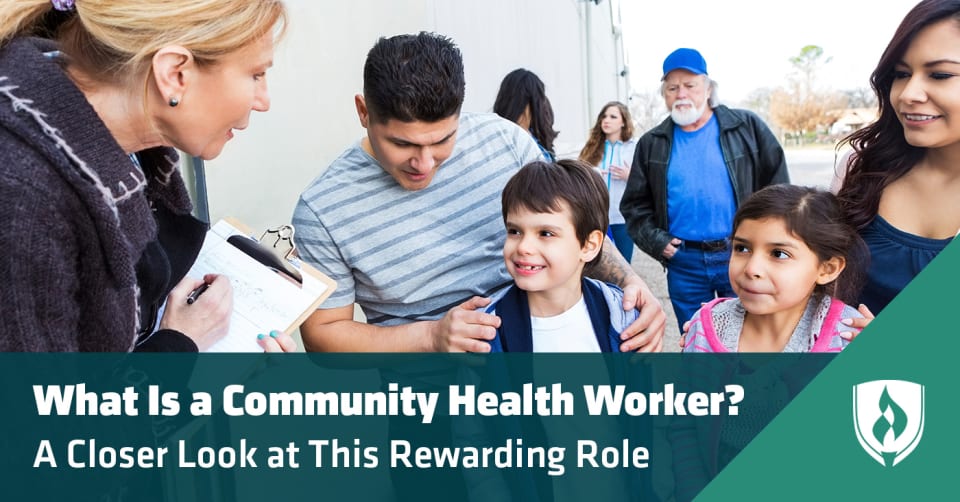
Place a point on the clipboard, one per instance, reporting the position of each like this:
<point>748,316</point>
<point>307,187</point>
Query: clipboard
<point>272,288</point>
<point>275,250</point>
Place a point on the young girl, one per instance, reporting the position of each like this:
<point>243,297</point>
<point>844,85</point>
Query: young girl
<point>610,147</point>
<point>795,261</point>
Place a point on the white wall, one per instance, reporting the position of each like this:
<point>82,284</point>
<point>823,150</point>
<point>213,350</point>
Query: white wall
<point>605,58</point>
<point>319,65</point>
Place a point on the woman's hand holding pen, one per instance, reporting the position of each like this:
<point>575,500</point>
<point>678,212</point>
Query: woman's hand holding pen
<point>206,319</point>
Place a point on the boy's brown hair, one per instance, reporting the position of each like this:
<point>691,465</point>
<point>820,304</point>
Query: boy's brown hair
<point>541,187</point>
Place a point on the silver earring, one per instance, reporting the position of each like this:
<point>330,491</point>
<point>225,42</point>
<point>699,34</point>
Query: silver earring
<point>174,102</point>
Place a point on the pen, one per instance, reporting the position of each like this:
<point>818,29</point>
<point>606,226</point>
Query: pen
<point>195,294</point>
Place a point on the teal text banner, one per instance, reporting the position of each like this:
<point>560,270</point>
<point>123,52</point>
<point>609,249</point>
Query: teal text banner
<point>176,427</point>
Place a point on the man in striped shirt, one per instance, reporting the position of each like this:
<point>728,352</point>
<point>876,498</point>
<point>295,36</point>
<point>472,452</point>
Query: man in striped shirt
<point>407,221</point>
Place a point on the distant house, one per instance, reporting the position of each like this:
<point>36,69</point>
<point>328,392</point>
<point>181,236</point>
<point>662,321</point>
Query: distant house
<point>852,119</point>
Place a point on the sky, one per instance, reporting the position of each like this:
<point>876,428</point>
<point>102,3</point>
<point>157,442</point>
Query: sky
<point>747,43</point>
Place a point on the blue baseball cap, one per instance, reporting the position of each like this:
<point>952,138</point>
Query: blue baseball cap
<point>684,59</point>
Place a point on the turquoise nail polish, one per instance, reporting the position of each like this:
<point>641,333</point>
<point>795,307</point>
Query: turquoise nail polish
<point>274,333</point>
<point>261,336</point>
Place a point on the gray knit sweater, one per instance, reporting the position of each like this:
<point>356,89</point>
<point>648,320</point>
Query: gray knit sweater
<point>75,213</point>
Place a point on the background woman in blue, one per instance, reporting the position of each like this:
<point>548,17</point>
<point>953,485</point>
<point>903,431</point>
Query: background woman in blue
<point>610,147</point>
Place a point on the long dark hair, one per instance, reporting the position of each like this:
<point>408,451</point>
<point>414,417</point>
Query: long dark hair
<point>882,154</point>
<point>816,218</point>
<point>592,152</point>
<point>522,88</point>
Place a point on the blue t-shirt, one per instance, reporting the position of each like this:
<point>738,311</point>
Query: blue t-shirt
<point>700,199</point>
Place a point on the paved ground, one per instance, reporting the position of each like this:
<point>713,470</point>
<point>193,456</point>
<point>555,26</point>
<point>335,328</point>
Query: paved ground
<point>652,272</point>
<point>808,166</point>
<point>811,166</point>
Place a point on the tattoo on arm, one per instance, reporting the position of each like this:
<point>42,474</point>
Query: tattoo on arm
<point>610,267</point>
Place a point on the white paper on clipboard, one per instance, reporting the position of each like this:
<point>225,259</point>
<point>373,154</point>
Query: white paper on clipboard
<point>263,300</point>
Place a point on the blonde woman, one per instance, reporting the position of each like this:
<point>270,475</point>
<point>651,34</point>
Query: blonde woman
<point>96,218</point>
<point>610,148</point>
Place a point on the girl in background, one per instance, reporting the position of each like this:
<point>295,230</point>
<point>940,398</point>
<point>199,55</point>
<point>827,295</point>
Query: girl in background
<point>795,261</point>
<point>610,148</point>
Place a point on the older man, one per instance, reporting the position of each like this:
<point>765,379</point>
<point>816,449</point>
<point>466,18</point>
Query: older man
<point>689,175</point>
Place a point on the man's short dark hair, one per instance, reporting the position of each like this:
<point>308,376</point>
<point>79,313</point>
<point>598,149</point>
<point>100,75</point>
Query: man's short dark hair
<point>413,78</point>
<point>541,187</point>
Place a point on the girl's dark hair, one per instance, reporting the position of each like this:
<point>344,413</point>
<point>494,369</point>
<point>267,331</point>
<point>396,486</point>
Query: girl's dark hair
<point>592,152</point>
<point>522,88</point>
<point>541,187</point>
<point>815,217</point>
<point>882,154</point>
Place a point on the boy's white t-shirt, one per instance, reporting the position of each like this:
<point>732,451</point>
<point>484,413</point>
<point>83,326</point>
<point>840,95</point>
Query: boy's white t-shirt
<point>570,331</point>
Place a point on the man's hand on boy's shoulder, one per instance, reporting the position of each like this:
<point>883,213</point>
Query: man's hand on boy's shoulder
<point>646,333</point>
<point>464,328</point>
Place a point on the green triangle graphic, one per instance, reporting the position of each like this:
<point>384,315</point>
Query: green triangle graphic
<point>811,452</point>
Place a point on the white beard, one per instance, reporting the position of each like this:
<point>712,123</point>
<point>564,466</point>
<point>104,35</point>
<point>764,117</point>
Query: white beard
<point>688,114</point>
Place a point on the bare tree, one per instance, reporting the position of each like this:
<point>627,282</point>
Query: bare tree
<point>758,101</point>
<point>806,65</point>
<point>647,109</point>
<point>862,97</point>
<point>801,107</point>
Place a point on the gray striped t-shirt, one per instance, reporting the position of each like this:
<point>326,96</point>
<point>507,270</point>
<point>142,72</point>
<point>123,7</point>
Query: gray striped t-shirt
<point>404,255</point>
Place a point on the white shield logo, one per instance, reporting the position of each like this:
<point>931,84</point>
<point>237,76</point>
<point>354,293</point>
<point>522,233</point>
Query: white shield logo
<point>888,418</point>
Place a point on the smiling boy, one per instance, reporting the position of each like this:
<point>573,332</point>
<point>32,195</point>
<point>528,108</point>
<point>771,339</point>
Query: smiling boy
<point>556,216</point>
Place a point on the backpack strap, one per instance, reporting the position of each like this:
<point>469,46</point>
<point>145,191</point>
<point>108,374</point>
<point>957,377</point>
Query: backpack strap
<point>708,331</point>
<point>515,333</point>
<point>828,330</point>
<point>599,314</point>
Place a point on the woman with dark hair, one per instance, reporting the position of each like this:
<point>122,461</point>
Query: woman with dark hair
<point>610,148</point>
<point>522,99</point>
<point>901,190</point>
